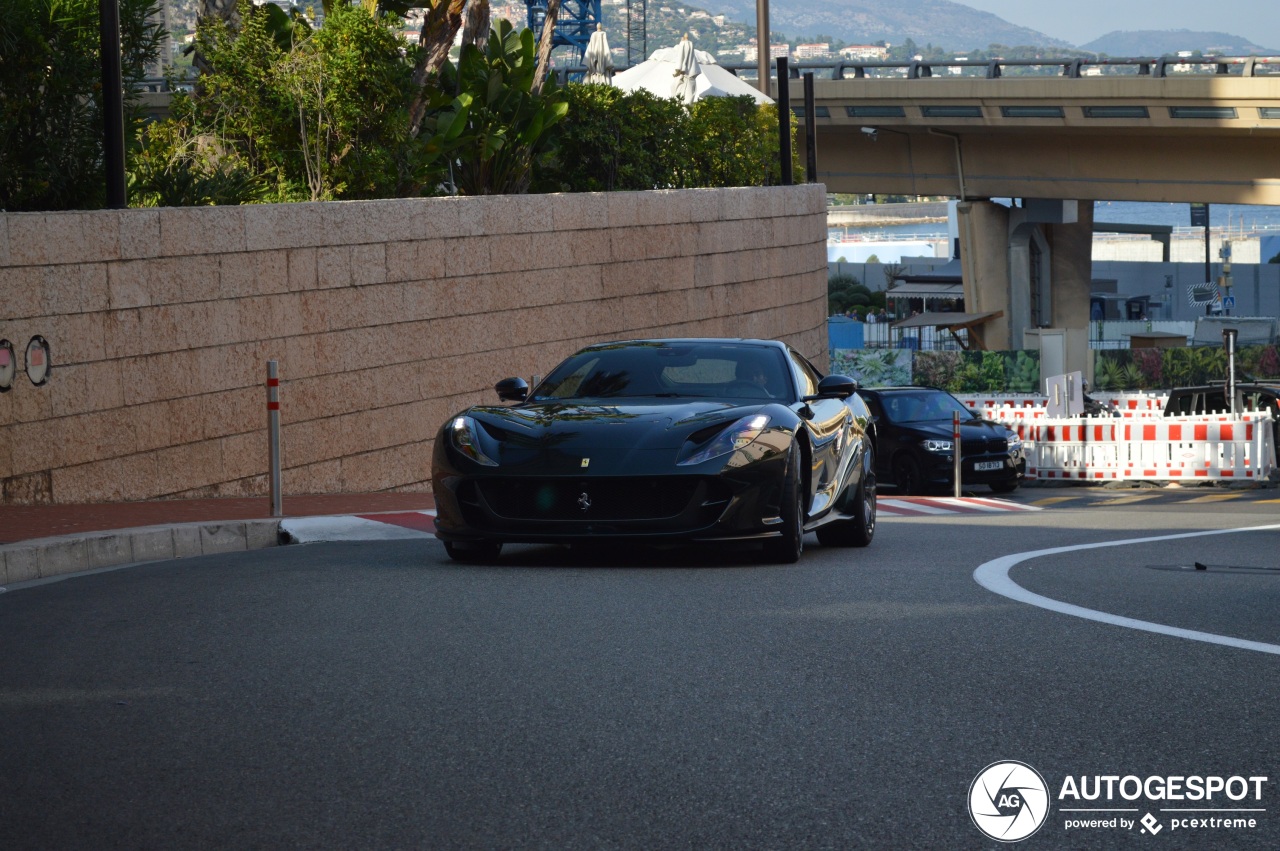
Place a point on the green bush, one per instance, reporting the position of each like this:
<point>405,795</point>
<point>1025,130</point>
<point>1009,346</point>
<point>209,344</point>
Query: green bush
<point>614,140</point>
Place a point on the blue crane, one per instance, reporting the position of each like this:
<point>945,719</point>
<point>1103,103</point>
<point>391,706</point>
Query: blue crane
<point>574,25</point>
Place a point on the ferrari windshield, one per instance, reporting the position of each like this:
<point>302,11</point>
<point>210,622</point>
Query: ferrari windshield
<point>669,369</point>
<point>923,406</point>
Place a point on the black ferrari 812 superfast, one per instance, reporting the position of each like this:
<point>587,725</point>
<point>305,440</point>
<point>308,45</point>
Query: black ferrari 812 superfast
<point>661,442</point>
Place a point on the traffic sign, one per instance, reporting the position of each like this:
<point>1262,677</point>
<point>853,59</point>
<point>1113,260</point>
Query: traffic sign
<point>1229,302</point>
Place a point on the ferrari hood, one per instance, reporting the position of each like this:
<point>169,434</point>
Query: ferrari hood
<point>575,427</point>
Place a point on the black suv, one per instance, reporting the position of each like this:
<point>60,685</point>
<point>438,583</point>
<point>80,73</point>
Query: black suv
<point>1212,399</point>
<point>914,446</point>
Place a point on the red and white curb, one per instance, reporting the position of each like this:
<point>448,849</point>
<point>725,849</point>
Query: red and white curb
<point>392,526</point>
<point>932,506</point>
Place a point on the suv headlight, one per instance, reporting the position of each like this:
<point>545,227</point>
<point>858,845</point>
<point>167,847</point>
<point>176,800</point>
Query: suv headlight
<point>932,445</point>
<point>1015,442</point>
<point>464,435</point>
<point>730,439</point>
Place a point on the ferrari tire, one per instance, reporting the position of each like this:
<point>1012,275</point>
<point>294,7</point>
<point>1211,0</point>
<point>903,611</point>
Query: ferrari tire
<point>788,548</point>
<point>861,528</point>
<point>473,552</point>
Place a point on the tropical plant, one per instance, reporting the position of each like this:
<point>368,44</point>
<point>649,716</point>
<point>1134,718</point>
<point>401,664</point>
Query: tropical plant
<point>51,119</point>
<point>323,116</point>
<point>508,124</point>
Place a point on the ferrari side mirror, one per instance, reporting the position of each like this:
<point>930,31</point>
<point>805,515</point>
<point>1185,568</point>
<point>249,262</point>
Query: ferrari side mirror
<point>512,389</point>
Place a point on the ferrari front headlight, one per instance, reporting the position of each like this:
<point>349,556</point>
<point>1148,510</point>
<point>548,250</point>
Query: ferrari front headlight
<point>464,435</point>
<point>730,439</point>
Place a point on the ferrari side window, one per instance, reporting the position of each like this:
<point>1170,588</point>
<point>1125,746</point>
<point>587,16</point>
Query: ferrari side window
<point>806,375</point>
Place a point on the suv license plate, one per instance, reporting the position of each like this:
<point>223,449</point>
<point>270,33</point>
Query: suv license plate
<point>988,465</point>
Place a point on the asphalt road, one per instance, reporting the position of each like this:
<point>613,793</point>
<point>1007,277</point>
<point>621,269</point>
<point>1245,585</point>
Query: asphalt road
<point>378,696</point>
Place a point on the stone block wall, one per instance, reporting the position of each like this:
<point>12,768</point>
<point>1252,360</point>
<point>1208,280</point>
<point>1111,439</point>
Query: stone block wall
<point>385,316</point>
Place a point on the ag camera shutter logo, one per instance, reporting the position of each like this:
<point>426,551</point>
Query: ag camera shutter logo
<point>1008,801</point>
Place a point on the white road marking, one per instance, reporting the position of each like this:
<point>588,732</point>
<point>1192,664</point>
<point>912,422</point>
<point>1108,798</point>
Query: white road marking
<point>903,505</point>
<point>305,530</point>
<point>994,576</point>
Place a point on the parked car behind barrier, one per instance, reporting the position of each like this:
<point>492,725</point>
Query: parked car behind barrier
<point>1212,399</point>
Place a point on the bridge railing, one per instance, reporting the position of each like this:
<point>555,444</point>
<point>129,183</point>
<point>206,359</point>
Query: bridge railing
<point>1071,67</point>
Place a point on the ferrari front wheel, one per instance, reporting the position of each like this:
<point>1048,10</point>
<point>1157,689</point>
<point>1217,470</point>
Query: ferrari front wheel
<point>788,548</point>
<point>861,528</point>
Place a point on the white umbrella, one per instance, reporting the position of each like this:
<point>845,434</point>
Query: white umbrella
<point>655,75</point>
<point>685,87</point>
<point>598,58</point>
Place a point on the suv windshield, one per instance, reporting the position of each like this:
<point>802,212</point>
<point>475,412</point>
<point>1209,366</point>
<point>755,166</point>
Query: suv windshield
<point>923,406</point>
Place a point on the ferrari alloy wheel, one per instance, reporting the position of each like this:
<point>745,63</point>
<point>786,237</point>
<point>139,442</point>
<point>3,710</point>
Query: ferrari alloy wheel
<point>861,528</point>
<point>906,475</point>
<point>477,552</point>
<point>788,548</point>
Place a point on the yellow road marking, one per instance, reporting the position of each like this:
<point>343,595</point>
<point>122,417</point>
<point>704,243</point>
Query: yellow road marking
<point>1051,500</point>
<point>1125,500</point>
<point>1213,497</point>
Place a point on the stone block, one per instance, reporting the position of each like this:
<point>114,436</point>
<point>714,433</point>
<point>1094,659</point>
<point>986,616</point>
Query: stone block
<point>20,292</point>
<point>59,556</point>
<point>139,234</point>
<point>85,387</point>
<point>109,550</point>
<point>152,544</point>
<point>62,290</point>
<point>270,270</point>
<point>260,534</point>
<point>302,269</point>
<point>468,216</point>
<point>438,218</point>
<point>237,274</point>
<point>510,254</point>
<point>402,261</point>
<point>128,284</point>
<point>95,290</point>
<point>368,264</point>
<point>280,226</point>
<point>579,211</point>
<point>222,538</point>
<point>187,231</point>
<point>130,477</point>
<point>171,280</point>
<point>324,477</point>
<point>465,257</point>
<point>187,540</point>
<point>19,563</point>
<point>245,455</point>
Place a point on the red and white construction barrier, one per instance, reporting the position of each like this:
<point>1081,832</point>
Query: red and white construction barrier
<point>1002,406</point>
<point>1204,448</point>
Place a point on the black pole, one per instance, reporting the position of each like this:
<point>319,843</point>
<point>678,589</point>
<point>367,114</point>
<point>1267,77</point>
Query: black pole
<point>112,102</point>
<point>810,130</point>
<point>784,121</point>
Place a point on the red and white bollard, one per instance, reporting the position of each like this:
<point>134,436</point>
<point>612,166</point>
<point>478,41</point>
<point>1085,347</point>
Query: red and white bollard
<point>955,445</point>
<point>273,431</point>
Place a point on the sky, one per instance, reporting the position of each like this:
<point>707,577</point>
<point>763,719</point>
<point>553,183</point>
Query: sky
<point>1081,21</point>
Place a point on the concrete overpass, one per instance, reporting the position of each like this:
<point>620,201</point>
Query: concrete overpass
<point>1129,131</point>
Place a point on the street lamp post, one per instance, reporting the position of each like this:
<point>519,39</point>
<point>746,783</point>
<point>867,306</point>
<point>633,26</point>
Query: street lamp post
<point>762,47</point>
<point>112,102</point>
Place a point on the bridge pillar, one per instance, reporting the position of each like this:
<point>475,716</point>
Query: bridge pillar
<point>1071,271</point>
<point>984,263</point>
<point>1034,265</point>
